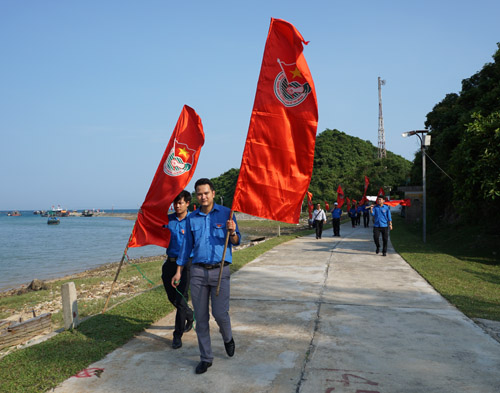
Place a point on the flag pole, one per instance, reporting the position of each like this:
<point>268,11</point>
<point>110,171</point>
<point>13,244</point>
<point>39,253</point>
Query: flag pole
<point>117,273</point>
<point>223,256</point>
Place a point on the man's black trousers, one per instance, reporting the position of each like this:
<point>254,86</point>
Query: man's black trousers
<point>385,237</point>
<point>336,226</point>
<point>184,313</point>
<point>366,220</point>
<point>319,228</point>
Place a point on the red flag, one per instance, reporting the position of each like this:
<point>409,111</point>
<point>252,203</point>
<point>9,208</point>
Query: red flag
<point>309,203</point>
<point>381,192</point>
<point>348,204</point>
<point>327,206</point>
<point>173,174</point>
<point>277,162</point>
<point>367,182</point>
<point>396,202</point>
<point>340,197</point>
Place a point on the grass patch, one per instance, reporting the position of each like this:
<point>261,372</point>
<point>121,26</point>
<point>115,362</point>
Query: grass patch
<point>460,262</point>
<point>43,366</point>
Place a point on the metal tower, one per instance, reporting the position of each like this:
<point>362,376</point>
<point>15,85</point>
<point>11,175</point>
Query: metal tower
<point>382,153</point>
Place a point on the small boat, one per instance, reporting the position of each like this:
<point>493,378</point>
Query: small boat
<point>14,213</point>
<point>53,221</point>
<point>87,213</point>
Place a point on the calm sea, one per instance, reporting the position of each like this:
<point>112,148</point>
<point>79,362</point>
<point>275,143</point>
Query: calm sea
<point>29,248</point>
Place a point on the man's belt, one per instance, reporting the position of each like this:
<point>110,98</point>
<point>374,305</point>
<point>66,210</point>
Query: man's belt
<point>210,266</point>
<point>171,259</point>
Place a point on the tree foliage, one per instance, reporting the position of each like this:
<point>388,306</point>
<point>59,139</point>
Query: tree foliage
<point>466,144</point>
<point>341,159</point>
<point>338,159</point>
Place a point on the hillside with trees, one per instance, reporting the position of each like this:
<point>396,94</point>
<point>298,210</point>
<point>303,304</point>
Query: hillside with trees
<point>338,159</point>
<point>465,130</point>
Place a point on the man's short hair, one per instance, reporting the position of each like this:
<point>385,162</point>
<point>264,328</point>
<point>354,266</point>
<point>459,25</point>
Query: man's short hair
<point>203,181</point>
<point>183,194</point>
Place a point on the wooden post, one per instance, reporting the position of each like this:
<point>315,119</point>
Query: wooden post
<point>116,276</point>
<point>69,305</point>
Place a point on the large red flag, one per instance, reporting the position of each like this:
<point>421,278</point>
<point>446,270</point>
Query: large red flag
<point>340,197</point>
<point>381,192</point>
<point>173,174</point>
<point>277,162</point>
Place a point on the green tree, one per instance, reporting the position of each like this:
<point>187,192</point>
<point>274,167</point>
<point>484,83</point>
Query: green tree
<point>464,129</point>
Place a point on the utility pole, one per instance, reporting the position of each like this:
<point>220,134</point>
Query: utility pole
<point>425,141</point>
<point>382,153</point>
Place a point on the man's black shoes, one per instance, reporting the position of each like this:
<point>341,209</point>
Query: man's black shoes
<point>176,342</point>
<point>384,254</point>
<point>202,367</point>
<point>189,326</point>
<point>230,346</point>
<point>378,250</point>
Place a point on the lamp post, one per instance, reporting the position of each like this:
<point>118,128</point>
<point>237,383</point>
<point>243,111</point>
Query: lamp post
<point>425,141</point>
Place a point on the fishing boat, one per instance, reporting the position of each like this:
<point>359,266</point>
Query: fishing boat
<point>53,220</point>
<point>14,213</point>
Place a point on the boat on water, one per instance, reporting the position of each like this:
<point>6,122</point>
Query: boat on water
<point>14,213</point>
<point>53,220</point>
<point>58,212</point>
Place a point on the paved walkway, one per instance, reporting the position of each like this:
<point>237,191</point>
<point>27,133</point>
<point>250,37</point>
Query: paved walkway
<point>319,316</point>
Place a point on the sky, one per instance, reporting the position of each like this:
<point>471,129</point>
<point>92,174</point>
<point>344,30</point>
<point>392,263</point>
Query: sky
<point>90,91</point>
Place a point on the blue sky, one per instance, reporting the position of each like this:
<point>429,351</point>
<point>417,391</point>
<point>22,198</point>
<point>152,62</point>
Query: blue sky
<point>90,91</point>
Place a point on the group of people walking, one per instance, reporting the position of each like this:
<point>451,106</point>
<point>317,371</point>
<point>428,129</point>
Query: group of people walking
<point>381,214</point>
<point>194,260</point>
<point>355,213</point>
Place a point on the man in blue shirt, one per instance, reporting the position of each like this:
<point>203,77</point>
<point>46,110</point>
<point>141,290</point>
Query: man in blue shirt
<point>177,226</point>
<point>336,214</point>
<point>382,223</point>
<point>206,230</point>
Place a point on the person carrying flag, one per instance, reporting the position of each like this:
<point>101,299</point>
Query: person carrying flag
<point>359,211</point>
<point>352,213</point>
<point>206,230</point>
<point>336,214</point>
<point>366,214</point>
<point>177,226</point>
<point>382,223</point>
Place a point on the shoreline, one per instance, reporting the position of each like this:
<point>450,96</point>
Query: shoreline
<point>92,272</point>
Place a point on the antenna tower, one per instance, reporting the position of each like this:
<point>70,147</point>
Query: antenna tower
<point>382,153</point>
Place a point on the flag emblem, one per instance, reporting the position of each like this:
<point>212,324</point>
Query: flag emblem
<point>290,86</point>
<point>179,160</point>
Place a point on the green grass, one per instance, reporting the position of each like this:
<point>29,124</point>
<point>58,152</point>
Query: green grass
<point>460,262</point>
<point>45,365</point>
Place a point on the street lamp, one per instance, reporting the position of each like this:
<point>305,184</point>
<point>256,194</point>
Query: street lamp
<point>425,141</point>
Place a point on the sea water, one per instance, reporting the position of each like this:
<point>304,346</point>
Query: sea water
<point>30,248</point>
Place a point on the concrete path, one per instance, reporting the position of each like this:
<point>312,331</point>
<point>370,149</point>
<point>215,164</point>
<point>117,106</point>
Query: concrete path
<point>319,316</point>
